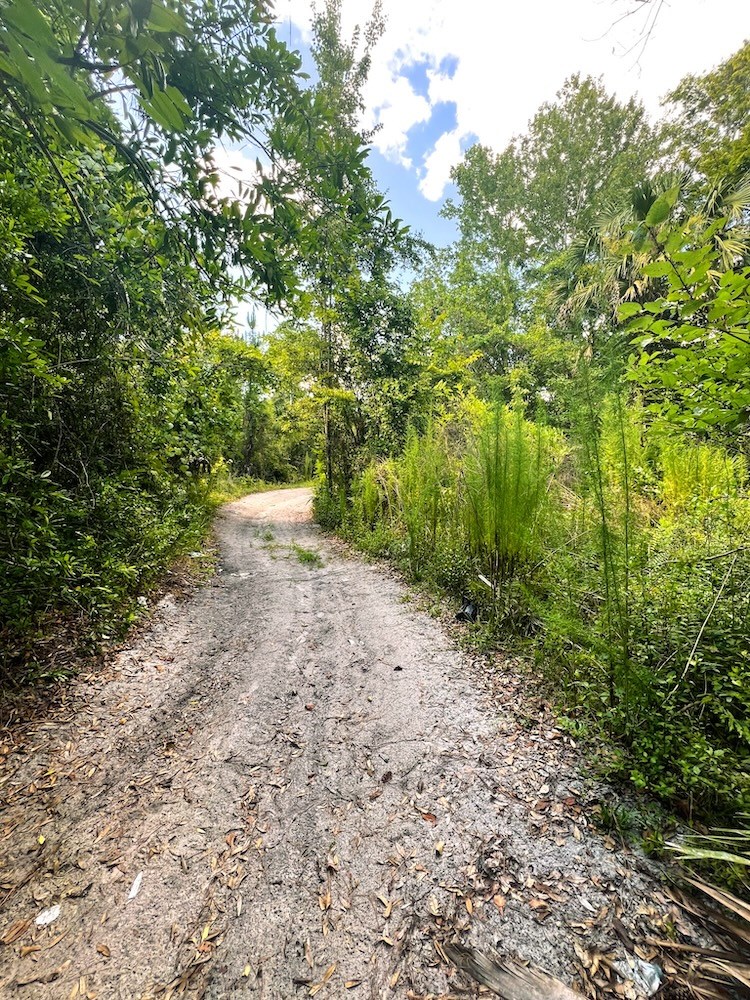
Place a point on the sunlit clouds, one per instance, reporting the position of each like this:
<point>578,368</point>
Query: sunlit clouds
<point>493,64</point>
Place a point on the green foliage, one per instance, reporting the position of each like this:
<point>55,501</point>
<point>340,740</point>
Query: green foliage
<point>160,88</point>
<point>694,356</point>
<point>308,557</point>
<point>507,479</point>
<point>120,402</point>
<point>74,563</point>
<point>622,555</point>
<point>643,610</point>
<point>711,127</point>
<point>731,847</point>
<point>529,201</point>
<point>465,311</point>
<point>423,477</point>
<point>329,508</point>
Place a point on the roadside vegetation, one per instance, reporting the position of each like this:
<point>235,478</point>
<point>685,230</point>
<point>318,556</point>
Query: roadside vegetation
<point>568,448</point>
<point>129,406</point>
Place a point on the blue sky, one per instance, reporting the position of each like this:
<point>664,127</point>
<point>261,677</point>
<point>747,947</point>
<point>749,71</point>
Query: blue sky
<point>395,179</point>
<point>447,73</point>
<point>400,181</point>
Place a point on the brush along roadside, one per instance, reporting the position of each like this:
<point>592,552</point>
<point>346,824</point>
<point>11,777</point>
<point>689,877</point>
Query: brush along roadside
<point>662,966</point>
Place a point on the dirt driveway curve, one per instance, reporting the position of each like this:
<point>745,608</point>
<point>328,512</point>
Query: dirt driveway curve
<point>304,787</point>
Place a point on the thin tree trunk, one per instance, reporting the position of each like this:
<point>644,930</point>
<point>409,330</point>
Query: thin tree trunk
<point>328,342</point>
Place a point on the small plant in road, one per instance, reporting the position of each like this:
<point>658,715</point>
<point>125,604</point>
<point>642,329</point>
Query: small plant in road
<point>308,557</point>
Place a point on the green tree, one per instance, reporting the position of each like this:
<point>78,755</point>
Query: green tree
<point>468,311</point>
<point>162,85</point>
<point>117,392</point>
<point>530,201</point>
<point>694,335</point>
<point>710,127</point>
<point>354,242</point>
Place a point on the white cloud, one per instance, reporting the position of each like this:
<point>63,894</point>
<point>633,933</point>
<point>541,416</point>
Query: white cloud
<point>437,165</point>
<point>394,106</point>
<point>513,56</point>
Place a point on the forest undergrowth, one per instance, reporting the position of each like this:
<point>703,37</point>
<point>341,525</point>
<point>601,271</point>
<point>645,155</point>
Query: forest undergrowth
<point>617,557</point>
<point>93,571</point>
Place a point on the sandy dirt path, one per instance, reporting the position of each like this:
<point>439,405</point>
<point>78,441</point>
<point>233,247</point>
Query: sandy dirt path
<point>309,787</point>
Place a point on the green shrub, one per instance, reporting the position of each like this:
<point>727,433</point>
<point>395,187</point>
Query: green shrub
<point>507,476</point>
<point>424,485</point>
<point>329,507</point>
<point>82,559</point>
<point>621,558</point>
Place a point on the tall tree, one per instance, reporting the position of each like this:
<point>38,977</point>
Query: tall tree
<point>530,201</point>
<point>355,241</point>
<point>710,129</point>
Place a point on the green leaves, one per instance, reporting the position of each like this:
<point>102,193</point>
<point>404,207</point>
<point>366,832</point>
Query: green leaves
<point>115,393</point>
<point>628,309</point>
<point>530,201</point>
<point>162,19</point>
<point>695,336</point>
<point>169,109</point>
<point>164,84</point>
<point>661,208</point>
<point>711,129</point>
<point>29,21</point>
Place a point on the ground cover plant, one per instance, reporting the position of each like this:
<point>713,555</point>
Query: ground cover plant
<point>619,561</point>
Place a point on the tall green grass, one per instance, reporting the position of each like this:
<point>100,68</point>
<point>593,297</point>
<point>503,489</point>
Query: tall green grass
<point>619,555</point>
<point>507,477</point>
<point>424,484</point>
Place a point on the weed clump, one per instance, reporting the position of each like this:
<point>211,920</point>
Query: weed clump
<point>616,554</point>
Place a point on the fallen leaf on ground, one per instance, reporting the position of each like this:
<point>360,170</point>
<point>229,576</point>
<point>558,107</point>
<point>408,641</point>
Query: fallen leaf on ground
<point>43,977</point>
<point>136,886</point>
<point>326,976</point>
<point>508,979</point>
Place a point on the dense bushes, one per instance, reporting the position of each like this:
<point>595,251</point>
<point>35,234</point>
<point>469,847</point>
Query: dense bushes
<point>117,401</point>
<point>618,555</point>
<point>578,463</point>
<point>73,560</point>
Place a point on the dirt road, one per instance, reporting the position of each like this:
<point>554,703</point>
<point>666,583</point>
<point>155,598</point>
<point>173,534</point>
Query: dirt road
<point>302,785</point>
